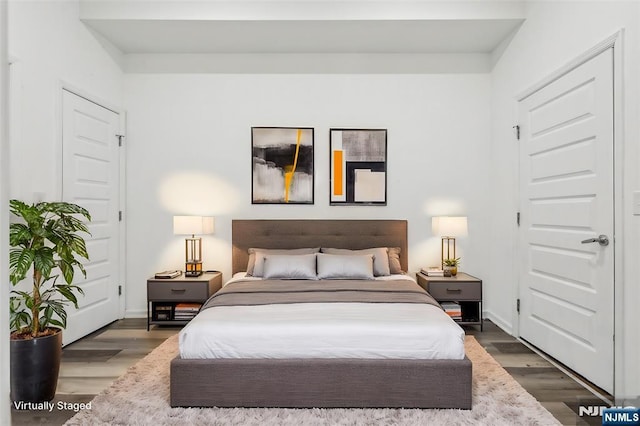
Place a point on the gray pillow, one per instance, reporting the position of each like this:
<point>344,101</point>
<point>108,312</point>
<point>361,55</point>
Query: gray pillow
<point>290,267</point>
<point>380,258</point>
<point>345,266</point>
<point>256,257</point>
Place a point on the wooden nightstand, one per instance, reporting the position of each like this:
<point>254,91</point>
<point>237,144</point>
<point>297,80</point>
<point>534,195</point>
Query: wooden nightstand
<point>163,295</point>
<point>463,288</point>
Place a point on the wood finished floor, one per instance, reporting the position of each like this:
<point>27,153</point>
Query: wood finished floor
<point>94,362</point>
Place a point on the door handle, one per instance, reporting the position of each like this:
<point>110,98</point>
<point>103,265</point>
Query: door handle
<point>602,239</point>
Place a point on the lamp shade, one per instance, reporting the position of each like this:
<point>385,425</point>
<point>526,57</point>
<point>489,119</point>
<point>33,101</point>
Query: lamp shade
<point>449,226</point>
<point>192,225</point>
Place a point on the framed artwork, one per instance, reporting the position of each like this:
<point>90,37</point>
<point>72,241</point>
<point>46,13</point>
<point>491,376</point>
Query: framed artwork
<point>358,174</point>
<point>282,165</point>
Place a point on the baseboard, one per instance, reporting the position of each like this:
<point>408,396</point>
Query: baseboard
<point>500,322</point>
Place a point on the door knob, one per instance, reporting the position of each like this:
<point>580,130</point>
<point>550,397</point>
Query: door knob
<point>602,239</point>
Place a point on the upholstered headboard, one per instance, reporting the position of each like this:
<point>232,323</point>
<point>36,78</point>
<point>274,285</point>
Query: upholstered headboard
<point>285,234</point>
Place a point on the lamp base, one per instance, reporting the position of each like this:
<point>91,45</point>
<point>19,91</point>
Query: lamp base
<point>446,242</point>
<point>193,269</point>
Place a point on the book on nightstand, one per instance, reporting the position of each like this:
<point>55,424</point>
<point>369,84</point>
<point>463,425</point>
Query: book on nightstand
<point>166,275</point>
<point>452,309</point>
<point>162,312</point>
<point>432,271</point>
<point>186,311</point>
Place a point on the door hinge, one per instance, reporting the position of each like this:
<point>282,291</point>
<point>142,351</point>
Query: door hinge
<point>120,137</point>
<point>120,216</point>
<point>518,305</point>
<point>517,129</point>
<point>518,218</point>
<point>119,290</point>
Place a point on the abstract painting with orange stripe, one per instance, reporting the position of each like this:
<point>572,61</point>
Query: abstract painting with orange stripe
<point>282,169</point>
<point>358,167</point>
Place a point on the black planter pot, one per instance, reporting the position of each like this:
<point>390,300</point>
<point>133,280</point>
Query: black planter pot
<point>35,365</point>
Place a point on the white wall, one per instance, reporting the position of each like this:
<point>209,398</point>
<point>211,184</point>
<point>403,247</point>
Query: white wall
<point>50,48</point>
<point>189,152</point>
<point>5,410</point>
<point>554,34</point>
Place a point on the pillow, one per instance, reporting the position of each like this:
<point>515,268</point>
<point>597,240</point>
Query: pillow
<point>380,258</point>
<point>256,257</point>
<point>345,266</point>
<point>394,261</point>
<point>290,267</point>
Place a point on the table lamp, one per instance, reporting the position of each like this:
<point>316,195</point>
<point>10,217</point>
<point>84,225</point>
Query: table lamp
<point>448,227</point>
<point>194,225</point>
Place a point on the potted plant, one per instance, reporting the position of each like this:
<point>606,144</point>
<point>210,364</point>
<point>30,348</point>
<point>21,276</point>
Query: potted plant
<point>451,266</point>
<point>46,242</point>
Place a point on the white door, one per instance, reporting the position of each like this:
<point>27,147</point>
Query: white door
<point>566,184</point>
<point>90,174</point>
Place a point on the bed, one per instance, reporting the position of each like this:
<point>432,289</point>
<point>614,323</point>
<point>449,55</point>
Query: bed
<point>252,376</point>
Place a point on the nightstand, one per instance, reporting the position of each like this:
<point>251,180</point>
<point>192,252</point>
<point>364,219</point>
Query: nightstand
<point>463,288</point>
<point>164,294</point>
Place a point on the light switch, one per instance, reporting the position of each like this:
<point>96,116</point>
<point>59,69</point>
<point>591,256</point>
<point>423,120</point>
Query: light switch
<point>636,203</point>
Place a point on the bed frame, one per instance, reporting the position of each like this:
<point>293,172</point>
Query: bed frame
<point>329,383</point>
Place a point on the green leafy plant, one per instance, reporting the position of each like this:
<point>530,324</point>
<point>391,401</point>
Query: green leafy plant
<point>451,262</point>
<point>45,241</point>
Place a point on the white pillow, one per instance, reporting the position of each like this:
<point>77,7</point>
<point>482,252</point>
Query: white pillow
<point>290,267</point>
<point>380,258</point>
<point>346,266</point>
<point>255,265</point>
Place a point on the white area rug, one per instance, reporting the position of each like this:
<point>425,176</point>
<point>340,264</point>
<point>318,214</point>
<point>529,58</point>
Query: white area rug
<point>141,397</point>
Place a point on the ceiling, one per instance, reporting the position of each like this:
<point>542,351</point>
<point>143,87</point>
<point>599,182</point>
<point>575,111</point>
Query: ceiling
<point>153,29</point>
<point>391,36</point>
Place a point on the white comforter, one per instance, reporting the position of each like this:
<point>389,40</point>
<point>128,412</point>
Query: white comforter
<point>323,330</point>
